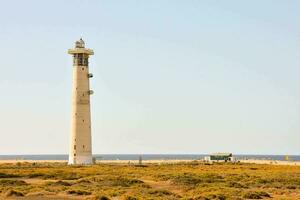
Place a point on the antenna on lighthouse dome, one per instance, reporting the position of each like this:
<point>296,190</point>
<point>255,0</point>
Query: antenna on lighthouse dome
<point>80,43</point>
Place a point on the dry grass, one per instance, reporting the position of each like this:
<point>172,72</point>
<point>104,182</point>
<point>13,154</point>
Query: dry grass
<point>165,181</point>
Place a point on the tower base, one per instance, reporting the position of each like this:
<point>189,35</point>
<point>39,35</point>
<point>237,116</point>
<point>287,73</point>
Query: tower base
<point>80,160</point>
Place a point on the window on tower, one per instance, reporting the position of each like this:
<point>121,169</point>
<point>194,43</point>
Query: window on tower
<point>80,61</point>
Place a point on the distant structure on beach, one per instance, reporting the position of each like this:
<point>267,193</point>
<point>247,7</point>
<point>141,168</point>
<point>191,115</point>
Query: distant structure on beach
<point>80,140</point>
<point>219,157</point>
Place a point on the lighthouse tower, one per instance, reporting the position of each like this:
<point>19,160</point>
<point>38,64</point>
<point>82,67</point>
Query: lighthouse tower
<point>80,140</point>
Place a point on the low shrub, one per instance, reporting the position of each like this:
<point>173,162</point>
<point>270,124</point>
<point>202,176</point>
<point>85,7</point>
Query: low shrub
<point>103,198</point>
<point>36,175</point>
<point>194,179</point>
<point>83,181</point>
<point>256,195</point>
<point>98,198</point>
<point>199,197</point>
<point>118,181</point>
<point>59,183</point>
<point>129,198</point>
<point>215,196</point>
<point>160,192</point>
<point>4,175</point>
<point>61,175</point>
<point>79,192</point>
<point>291,187</point>
<point>15,193</point>
<point>236,185</point>
<point>10,182</point>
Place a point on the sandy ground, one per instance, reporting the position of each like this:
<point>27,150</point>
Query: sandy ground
<point>272,162</point>
<point>32,161</point>
<point>99,161</point>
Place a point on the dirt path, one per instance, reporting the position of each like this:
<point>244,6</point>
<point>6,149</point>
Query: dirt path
<point>36,180</point>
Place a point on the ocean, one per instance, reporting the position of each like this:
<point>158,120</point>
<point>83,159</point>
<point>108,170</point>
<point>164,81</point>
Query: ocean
<point>145,157</point>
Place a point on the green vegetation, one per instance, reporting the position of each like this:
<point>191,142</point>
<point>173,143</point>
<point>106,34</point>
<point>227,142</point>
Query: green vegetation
<point>189,181</point>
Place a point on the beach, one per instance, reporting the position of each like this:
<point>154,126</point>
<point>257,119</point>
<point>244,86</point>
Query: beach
<point>167,161</point>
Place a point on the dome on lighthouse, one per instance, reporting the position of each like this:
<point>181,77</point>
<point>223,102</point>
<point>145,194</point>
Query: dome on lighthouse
<point>79,43</point>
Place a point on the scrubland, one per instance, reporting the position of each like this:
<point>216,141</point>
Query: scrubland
<point>190,181</point>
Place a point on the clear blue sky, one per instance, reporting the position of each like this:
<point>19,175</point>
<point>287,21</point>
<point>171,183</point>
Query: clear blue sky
<point>169,76</point>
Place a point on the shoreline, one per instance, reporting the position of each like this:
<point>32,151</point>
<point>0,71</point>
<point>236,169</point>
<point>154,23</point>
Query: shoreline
<point>173,161</point>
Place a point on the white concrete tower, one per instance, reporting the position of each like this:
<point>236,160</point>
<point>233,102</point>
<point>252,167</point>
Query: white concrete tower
<point>81,140</point>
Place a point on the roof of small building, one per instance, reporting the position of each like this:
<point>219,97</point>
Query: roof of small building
<point>222,154</point>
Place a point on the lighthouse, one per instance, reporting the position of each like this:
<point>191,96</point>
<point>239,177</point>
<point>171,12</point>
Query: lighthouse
<point>80,139</point>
